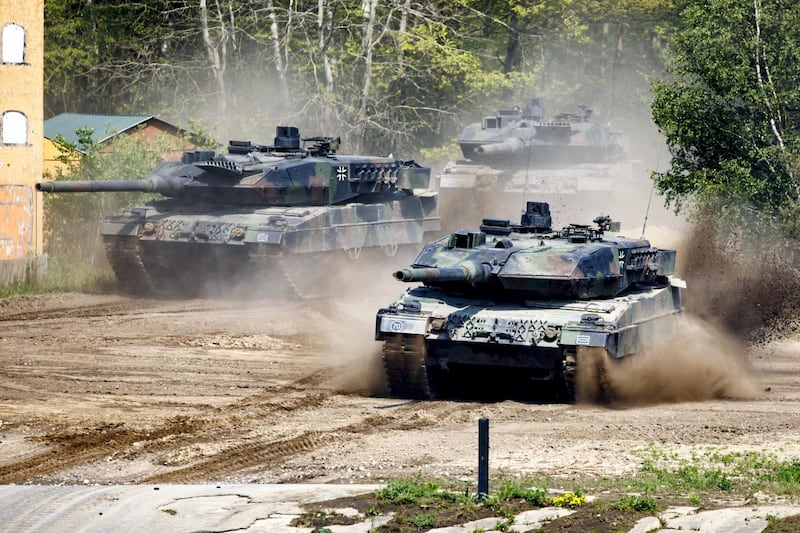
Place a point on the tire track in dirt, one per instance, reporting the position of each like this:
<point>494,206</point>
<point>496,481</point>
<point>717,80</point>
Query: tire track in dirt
<point>74,449</point>
<point>265,454</point>
<point>79,449</point>
<point>126,308</point>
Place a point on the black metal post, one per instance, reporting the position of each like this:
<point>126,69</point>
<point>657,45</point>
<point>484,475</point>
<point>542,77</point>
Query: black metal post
<point>483,458</point>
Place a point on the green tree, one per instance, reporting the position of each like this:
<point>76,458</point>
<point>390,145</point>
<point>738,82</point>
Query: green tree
<point>72,220</point>
<point>729,109</point>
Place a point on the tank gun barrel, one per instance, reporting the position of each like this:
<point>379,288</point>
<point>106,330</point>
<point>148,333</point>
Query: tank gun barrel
<point>157,184</point>
<point>468,271</point>
<point>511,145</point>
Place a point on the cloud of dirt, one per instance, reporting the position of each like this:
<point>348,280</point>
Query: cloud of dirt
<point>701,363</point>
<point>354,355</point>
<point>745,284</point>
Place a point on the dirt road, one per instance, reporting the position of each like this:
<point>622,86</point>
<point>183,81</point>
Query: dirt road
<point>109,389</point>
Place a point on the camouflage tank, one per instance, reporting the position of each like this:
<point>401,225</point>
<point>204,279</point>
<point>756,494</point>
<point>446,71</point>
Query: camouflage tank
<point>260,209</point>
<point>517,150</point>
<point>523,304</point>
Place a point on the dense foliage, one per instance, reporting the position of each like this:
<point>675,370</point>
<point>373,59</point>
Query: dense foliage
<point>730,110</point>
<point>388,75</point>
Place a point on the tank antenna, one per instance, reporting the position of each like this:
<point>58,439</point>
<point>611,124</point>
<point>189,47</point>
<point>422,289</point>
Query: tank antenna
<point>652,187</point>
<point>647,212</point>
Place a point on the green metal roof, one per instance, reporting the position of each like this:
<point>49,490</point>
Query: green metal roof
<point>104,126</point>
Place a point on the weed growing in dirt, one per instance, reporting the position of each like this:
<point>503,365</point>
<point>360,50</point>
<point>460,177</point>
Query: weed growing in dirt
<point>513,489</point>
<point>636,503</point>
<point>570,500</point>
<point>416,491</point>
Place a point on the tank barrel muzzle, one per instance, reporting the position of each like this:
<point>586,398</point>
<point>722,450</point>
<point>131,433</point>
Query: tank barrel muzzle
<point>156,184</point>
<point>509,146</point>
<point>467,271</point>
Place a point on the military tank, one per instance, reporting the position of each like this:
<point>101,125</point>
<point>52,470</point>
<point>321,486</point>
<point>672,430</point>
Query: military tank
<point>519,151</point>
<point>260,209</point>
<point>512,307</point>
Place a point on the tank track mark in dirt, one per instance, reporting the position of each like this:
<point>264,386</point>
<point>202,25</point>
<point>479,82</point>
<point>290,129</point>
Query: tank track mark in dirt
<point>407,371</point>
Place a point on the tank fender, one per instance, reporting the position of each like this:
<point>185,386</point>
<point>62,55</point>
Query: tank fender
<point>617,342</point>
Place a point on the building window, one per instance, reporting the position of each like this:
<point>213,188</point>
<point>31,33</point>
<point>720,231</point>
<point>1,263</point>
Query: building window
<point>13,45</point>
<point>14,128</point>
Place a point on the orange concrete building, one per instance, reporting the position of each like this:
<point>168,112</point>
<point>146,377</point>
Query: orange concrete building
<point>21,138</point>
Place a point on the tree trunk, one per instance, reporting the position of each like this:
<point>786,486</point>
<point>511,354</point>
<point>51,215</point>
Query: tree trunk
<point>276,50</point>
<point>215,58</point>
<point>369,7</point>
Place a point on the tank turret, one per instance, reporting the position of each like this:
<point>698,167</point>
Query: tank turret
<point>262,208</point>
<point>532,260</point>
<point>513,133</point>
<point>526,304</point>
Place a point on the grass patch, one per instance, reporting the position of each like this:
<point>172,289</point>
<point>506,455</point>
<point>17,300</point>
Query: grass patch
<point>65,275</point>
<point>710,471</point>
<point>319,519</point>
<point>419,504</point>
<point>636,503</point>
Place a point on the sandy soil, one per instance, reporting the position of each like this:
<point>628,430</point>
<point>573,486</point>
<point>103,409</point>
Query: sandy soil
<point>110,389</point>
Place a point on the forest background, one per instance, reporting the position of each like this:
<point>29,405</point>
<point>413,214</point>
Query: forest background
<point>394,76</point>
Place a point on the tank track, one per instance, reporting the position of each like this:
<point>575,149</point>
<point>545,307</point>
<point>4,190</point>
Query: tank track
<point>569,374</point>
<point>125,257</point>
<point>585,376</point>
<point>404,358</point>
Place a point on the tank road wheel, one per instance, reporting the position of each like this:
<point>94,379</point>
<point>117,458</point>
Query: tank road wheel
<point>585,374</point>
<point>404,357</point>
<point>125,258</point>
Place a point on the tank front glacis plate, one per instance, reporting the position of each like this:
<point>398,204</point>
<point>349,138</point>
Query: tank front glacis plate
<point>617,324</point>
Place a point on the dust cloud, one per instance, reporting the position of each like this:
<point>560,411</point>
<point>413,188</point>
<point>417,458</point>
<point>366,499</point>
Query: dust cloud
<point>702,363</point>
<point>746,285</point>
<point>741,294</point>
<point>352,352</point>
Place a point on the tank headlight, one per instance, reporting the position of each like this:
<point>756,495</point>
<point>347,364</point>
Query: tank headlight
<point>148,227</point>
<point>437,324</point>
<point>237,233</point>
<point>550,333</point>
